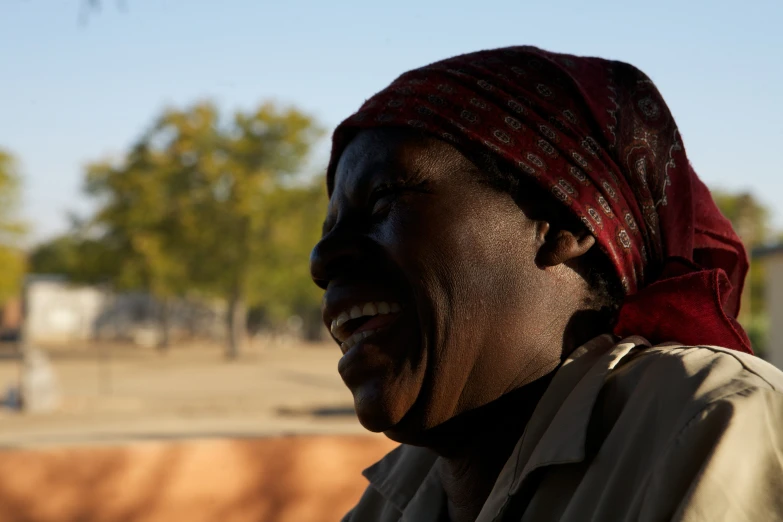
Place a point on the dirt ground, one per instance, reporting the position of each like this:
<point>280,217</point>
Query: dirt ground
<point>112,394</point>
<point>277,479</point>
<point>145,437</point>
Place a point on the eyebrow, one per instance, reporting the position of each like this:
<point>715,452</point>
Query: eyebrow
<point>415,176</point>
<point>377,170</point>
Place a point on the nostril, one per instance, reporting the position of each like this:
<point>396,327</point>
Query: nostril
<point>318,266</point>
<point>334,255</point>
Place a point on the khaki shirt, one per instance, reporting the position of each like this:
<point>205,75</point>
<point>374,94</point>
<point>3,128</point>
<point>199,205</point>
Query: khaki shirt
<point>624,432</point>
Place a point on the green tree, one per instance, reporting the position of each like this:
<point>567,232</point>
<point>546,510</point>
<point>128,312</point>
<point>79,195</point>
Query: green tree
<point>751,220</point>
<point>196,204</point>
<point>284,287</point>
<point>81,260</point>
<point>136,228</point>
<point>12,230</point>
<point>749,217</point>
<point>77,254</point>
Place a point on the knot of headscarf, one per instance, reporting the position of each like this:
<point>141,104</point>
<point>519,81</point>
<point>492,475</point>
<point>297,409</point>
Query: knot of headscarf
<point>598,136</point>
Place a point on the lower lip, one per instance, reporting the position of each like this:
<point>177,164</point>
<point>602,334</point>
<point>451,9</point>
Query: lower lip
<point>379,323</point>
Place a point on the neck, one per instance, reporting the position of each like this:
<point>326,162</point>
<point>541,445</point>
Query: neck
<point>476,445</point>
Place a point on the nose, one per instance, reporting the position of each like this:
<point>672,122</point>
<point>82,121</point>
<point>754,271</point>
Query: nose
<point>333,255</point>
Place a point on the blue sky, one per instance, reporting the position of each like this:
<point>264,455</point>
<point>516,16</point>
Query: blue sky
<point>75,92</point>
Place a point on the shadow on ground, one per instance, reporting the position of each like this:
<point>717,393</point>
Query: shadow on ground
<point>326,411</point>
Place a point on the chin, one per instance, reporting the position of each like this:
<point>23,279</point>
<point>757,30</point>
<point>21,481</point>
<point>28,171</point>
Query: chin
<point>374,422</point>
<point>406,433</point>
<point>380,407</point>
<point>384,381</point>
<point>398,419</point>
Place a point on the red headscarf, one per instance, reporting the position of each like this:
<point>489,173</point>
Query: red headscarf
<point>598,136</point>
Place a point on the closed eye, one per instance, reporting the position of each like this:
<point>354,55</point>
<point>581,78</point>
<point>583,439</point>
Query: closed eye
<point>383,196</point>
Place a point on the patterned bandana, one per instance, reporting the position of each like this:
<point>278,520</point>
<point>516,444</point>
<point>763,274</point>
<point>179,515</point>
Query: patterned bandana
<point>598,136</point>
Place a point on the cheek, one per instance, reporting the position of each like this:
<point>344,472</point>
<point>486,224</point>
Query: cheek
<point>479,269</point>
<point>463,256</point>
<point>479,254</point>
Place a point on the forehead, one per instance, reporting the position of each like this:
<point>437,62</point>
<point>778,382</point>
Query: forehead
<point>393,153</point>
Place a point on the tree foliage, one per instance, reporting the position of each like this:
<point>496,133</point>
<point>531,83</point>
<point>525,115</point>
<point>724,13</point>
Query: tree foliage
<point>12,230</point>
<point>284,287</point>
<point>751,220</point>
<point>207,205</point>
<point>81,259</point>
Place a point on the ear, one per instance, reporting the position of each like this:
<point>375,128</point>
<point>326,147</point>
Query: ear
<point>560,246</point>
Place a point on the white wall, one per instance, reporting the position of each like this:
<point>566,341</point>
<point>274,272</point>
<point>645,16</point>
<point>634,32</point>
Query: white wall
<point>57,311</point>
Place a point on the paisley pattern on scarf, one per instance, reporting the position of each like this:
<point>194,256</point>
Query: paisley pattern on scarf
<point>599,137</point>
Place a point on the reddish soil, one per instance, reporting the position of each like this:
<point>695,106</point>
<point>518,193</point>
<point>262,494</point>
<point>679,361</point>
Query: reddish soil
<point>280,479</point>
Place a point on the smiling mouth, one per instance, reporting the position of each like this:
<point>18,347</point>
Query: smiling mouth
<point>369,328</point>
<point>360,322</point>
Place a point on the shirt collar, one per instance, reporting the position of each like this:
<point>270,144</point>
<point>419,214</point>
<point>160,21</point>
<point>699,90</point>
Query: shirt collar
<point>555,434</point>
<point>557,431</point>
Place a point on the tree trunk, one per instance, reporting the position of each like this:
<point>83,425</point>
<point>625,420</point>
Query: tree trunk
<point>237,308</point>
<point>165,325</point>
<point>236,325</point>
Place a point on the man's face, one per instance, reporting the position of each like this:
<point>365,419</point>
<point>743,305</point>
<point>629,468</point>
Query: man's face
<point>432,288</point>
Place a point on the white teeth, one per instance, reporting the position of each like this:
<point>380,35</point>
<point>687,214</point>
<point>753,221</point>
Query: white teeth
<point>354,339</point>
<point>342,318</point>
<point>363,310</point>
<point>339,321</point>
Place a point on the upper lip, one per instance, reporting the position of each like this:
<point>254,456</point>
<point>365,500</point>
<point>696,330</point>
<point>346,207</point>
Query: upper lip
<point>341,300</point>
